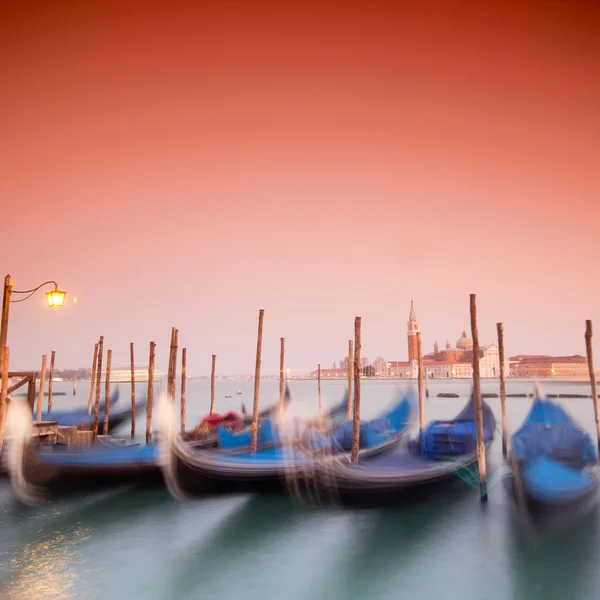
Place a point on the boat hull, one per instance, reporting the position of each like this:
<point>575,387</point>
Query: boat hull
<point>547,516</point>
<point>209,472</point>
<point>44,479</point>
<point>192,477</point>
<point>349,488</point>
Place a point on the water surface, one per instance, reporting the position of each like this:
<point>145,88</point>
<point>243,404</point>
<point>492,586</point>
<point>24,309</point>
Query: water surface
<point>132,543</point>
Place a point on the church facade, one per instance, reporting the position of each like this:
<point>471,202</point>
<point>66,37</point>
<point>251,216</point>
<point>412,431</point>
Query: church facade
<point>453,362</point>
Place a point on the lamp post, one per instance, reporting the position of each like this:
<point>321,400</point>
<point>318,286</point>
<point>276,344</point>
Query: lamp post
<point>55,298</point>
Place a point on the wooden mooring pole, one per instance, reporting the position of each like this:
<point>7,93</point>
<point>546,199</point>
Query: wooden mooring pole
<point>31,392</point>
<point>183,386</point>
<point>212,384</point>
<point>254,436</point>
<point>420,385</point>
<point>4,360</point>
<point>97,388</point>
<point>356,403</point>
<point>74,385</point>
<point>350,376</point>
<point>590,361</point>
<point>478,405</point>
<point>281,373</point>
<point>107,392</point>
<point>500,329</point>
<point>150,393</point>
<point>319,390</point>
<point>132,365</point>
<point>172,372</point>
<point>93,379</point>
<point>38,415</point>
<point>50,380</point>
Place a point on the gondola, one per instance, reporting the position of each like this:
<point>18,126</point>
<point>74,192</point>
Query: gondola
<point>281,455</point>
<point>552,480</point>
<point>85,421</point>
<point>68,418</point>
<point>205,434</point>
<point>424,467</point>
<point>39,472</point>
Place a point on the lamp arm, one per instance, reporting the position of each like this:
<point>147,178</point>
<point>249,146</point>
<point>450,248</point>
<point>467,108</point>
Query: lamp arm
<point>33,291</point>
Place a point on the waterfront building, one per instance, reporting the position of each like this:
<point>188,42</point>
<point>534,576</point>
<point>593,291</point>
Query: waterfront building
<point>539,365</point>
<point>454,362</point>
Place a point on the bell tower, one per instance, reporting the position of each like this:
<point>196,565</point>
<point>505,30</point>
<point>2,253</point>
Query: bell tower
<point>413,329</point>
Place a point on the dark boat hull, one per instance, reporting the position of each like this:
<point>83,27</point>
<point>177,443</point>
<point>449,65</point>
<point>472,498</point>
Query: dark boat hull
<point>44,480</point>
<point>345,489</point>
<point>185,478</point>
<point>203,473</point>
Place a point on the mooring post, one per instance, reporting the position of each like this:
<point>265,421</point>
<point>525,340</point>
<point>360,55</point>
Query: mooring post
<point>356,403</point>
<point>5,354</point>
<point>212,384</point>
<point>350,376</point>
<point>132,365</point>
<point>426,383</point>
<point>319,391</point>
<point>31,391</point>
<point>50,380</point>
<point>107,391</point>
<point>172,372</point>
<point>97,388</point>
<point>590,361</point>
<point>38,416</point>
<point>93,379</point>
<point>150,393</point>
<point>74,385</point>
<point>478,404</point>
<point>281,373</point>
<point>420,385</point>
<point>500,329</point>
<point>183,384</point>
<point>254,436</point>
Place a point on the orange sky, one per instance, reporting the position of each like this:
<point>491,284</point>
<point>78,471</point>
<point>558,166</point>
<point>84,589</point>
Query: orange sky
<point>186,164</point>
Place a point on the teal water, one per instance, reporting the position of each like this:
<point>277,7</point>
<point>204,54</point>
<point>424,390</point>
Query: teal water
<point>131,543</point>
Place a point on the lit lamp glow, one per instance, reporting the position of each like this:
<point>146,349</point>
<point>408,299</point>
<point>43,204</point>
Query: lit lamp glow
<point>55,298</point>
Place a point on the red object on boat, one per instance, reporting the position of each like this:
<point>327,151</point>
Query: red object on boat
<point>213,420</point>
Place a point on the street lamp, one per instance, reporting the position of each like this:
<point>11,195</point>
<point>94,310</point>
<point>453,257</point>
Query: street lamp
<point>55,298</point>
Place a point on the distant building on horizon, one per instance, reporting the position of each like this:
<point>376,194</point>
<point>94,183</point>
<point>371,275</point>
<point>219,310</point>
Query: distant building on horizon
<point>451,363</point>
<point>456,362</point>
<point>540,365</point>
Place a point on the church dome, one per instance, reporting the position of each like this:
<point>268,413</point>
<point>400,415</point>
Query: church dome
<point>464,342</point>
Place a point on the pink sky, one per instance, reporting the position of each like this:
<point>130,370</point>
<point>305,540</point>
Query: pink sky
<point>185,166</point>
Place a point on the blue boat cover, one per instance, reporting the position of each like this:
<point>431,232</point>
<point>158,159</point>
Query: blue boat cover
<point>457,437</point>
<point>549,431</point>
<point>267,434</point>
<point>102,456</point>
<point>377,431</point>
<point>69,417</point>
<point>549,481</point>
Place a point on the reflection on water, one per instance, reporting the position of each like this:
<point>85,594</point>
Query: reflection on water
<point>47,568</point>
<point>556,566</point>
